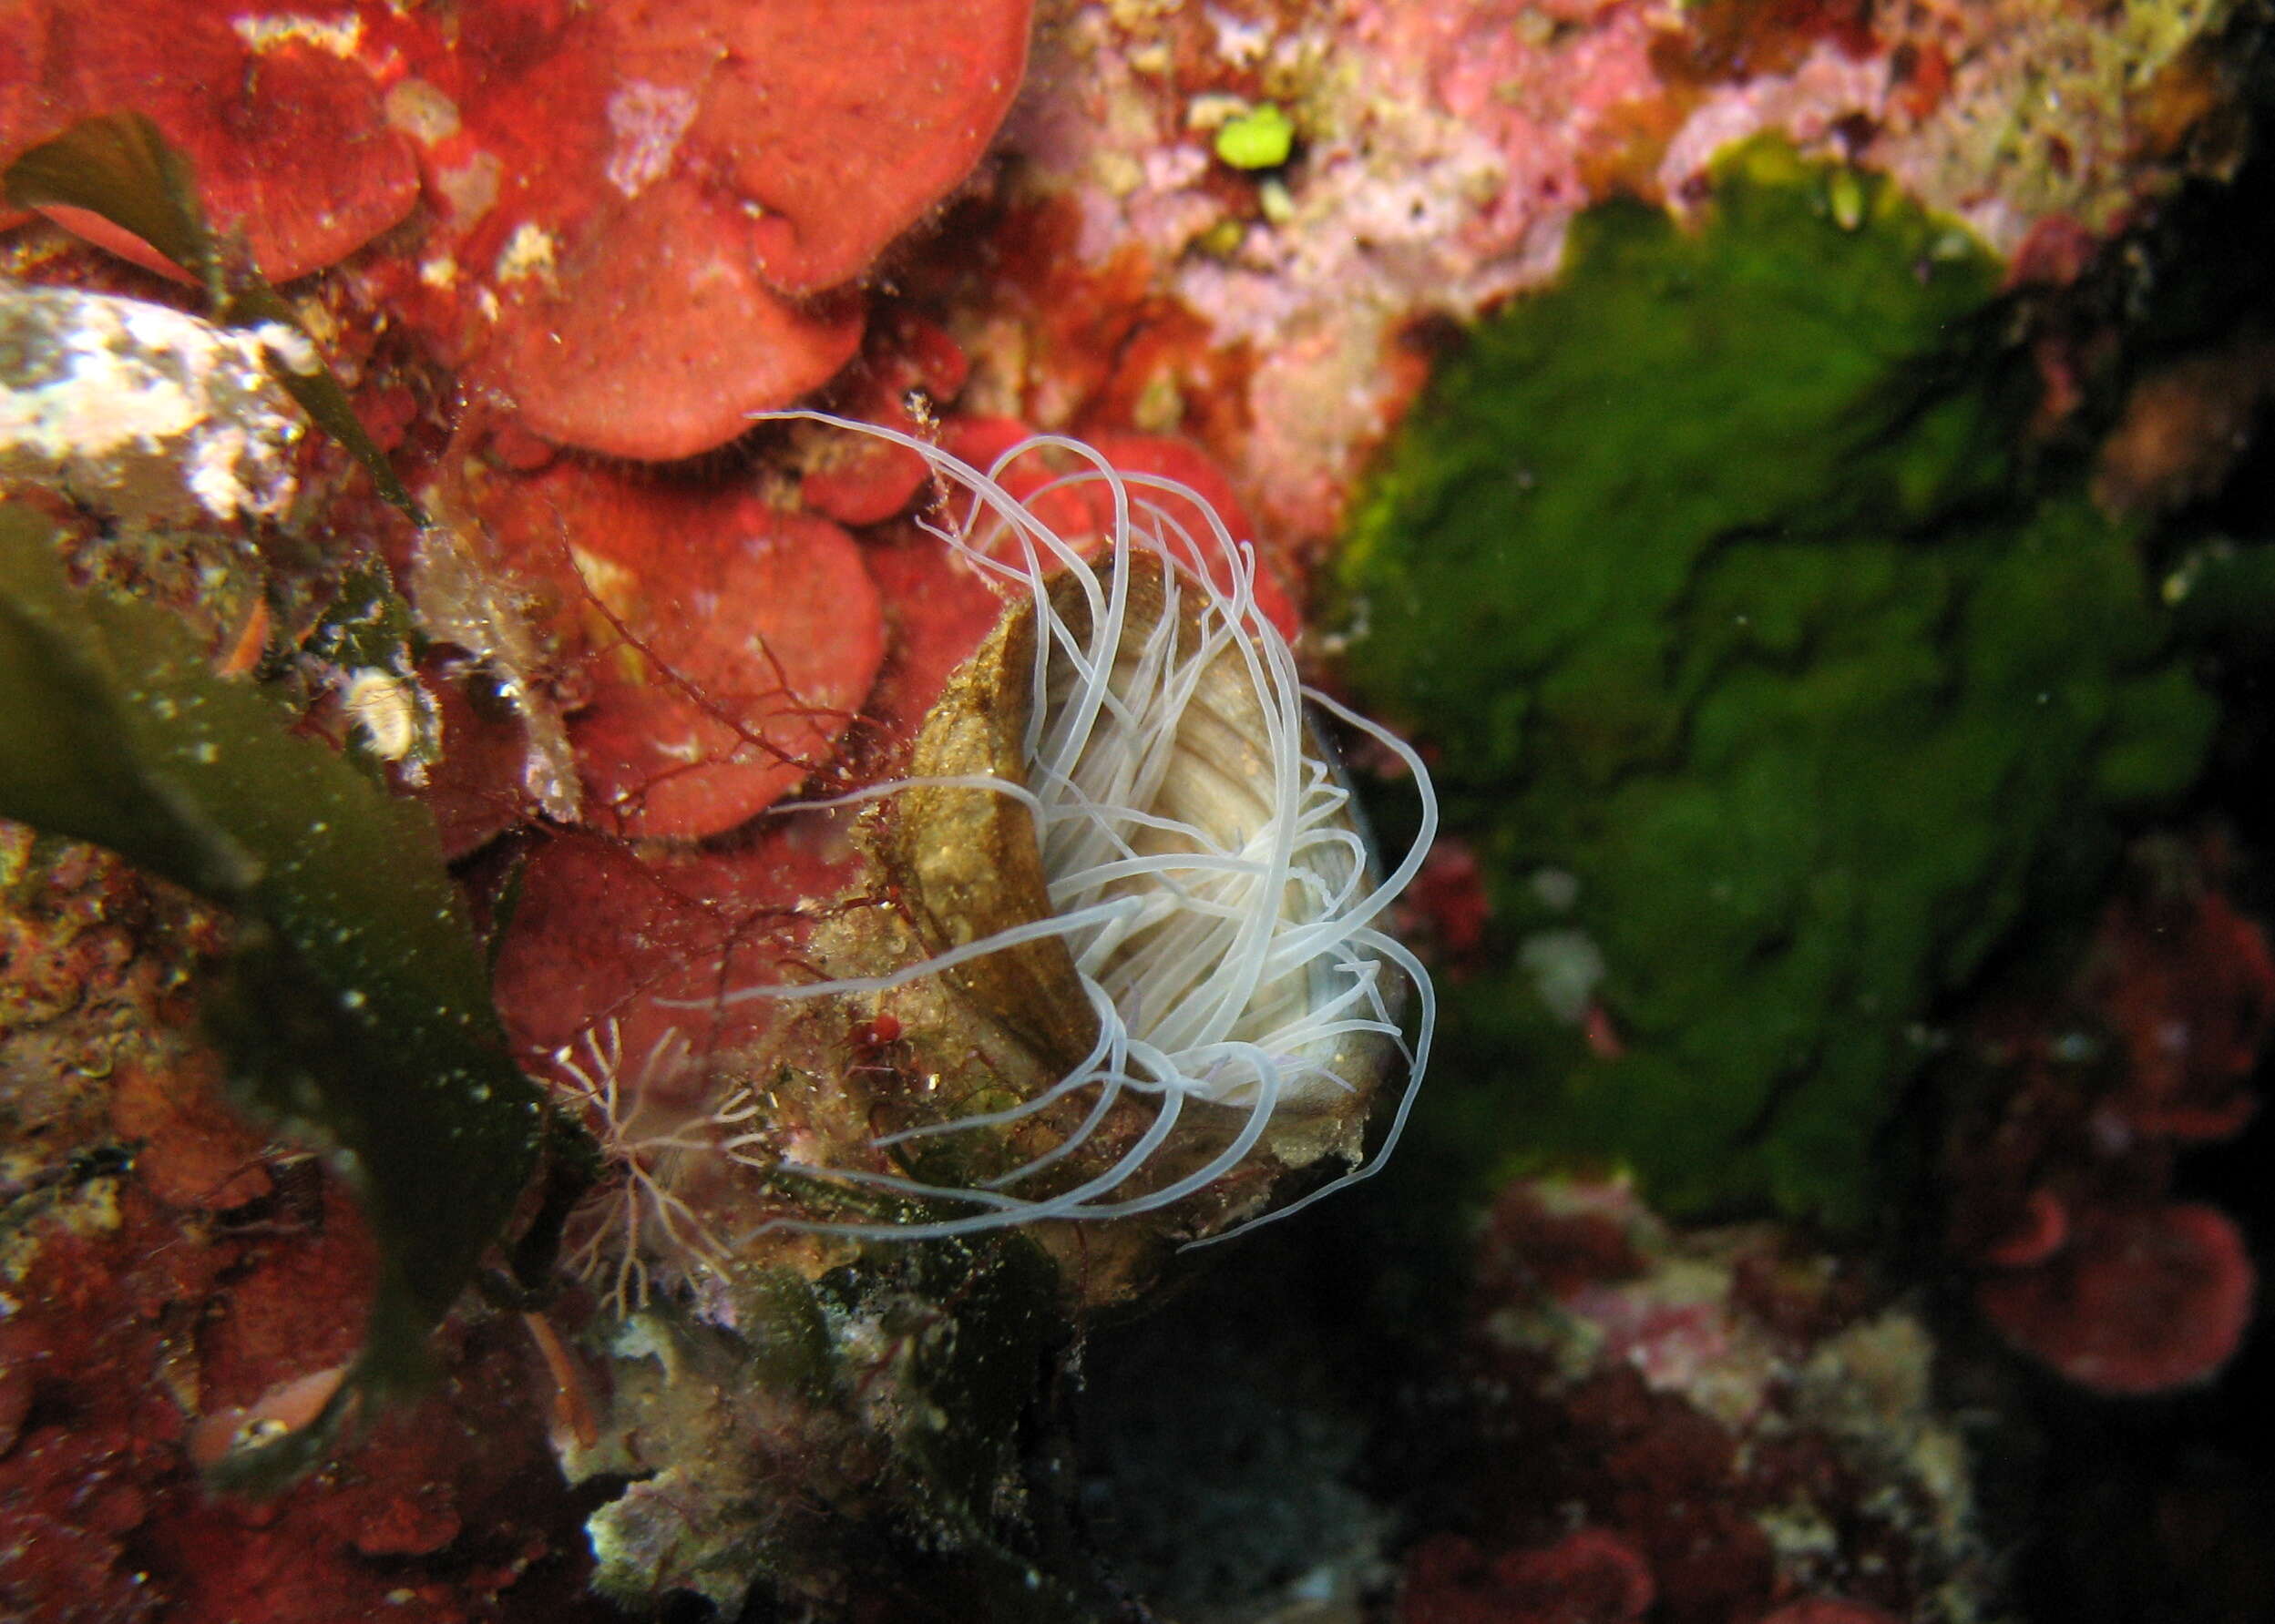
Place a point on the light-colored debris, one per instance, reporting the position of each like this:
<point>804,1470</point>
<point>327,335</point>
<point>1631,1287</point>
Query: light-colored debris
<point>141,413</point>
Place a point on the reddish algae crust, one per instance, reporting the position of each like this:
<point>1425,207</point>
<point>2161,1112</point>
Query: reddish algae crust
<point>719,644</point>
<point>2061,1154</point>
<point>646,197</point>
<point>286,129</point>
<point>629,218</point>
<point>163,1265</point>
<point>603,930</point>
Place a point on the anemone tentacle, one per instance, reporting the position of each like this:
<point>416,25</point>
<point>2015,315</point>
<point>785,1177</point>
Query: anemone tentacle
<point>1202,860</point>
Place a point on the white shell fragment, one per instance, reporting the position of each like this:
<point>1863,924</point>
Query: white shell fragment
<point>142,414</point>
<point>385,710</point>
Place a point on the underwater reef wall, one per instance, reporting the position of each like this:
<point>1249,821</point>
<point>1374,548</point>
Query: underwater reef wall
<point>1740,443</point>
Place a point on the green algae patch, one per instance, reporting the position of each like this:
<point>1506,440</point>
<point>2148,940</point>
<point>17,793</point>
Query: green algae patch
<point>356,1004</point>
<point>1770,694</point>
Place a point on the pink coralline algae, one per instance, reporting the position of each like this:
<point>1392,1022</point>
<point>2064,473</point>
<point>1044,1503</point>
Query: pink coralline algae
<point>2063,1155</point>
<point>1443,147</point>
<point>1721,1427</point>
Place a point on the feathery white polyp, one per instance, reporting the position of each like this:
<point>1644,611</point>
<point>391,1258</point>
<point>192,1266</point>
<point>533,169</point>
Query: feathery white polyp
<point>642,1215</point>
<point>1205,865</point>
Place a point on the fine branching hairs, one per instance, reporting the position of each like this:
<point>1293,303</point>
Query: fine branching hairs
<point>642,1215</point>
<point>1205,874</point>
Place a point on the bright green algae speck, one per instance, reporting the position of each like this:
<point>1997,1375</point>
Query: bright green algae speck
<point>1260,139</point>
<point>1711,579</point>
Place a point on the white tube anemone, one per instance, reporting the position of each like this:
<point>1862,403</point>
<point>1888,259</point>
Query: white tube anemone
<point>1204,925</point>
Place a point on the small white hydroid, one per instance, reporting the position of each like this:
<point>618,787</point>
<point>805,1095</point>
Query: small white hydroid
<point>643,1216</point>
<point>1124,836</point>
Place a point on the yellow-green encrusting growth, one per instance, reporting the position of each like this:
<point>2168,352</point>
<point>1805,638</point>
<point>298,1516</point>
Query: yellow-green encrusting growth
<point>1260,139</point>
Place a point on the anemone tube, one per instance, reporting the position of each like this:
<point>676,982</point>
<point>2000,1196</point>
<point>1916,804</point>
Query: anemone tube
<point>1125,836</point>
